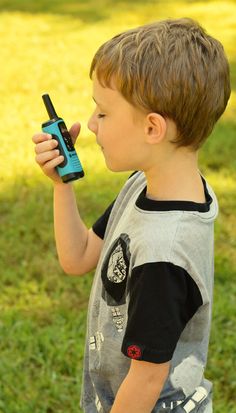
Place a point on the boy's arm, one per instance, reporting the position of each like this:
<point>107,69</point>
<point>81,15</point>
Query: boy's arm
<point>78,248</point>
<point>141,388</point>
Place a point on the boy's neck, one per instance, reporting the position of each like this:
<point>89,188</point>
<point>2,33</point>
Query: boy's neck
<point>177,178</point>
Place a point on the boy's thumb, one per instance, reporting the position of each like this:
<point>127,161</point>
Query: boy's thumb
<point>75,130</point>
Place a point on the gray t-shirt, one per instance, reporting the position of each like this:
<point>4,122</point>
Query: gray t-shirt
<point>151,298</point>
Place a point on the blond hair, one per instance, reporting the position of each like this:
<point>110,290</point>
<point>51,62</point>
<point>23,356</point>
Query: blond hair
<point>171,67</point>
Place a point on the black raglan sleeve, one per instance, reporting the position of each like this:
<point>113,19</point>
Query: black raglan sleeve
<point>163,298</point>
<point>99,227</point>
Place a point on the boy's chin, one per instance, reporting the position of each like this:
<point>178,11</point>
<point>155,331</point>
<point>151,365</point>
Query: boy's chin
<point>118,168</point>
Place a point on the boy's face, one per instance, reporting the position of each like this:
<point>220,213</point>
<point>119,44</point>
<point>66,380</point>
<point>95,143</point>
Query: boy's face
<point>119,129</point>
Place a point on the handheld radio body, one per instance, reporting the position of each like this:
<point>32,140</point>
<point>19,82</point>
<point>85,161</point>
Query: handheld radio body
<point>70,169</point>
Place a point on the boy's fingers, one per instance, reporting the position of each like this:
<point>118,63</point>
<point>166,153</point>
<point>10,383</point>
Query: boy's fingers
<point>75,130</point>
<point>45,146</point>
<point>44,157</point>
<point>51,165</point>
<point>41,137</point>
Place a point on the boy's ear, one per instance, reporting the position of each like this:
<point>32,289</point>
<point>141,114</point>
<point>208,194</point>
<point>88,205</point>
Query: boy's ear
<point>155,128</point>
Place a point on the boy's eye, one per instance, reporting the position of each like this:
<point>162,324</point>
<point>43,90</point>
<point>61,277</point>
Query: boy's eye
<point>101,115</point>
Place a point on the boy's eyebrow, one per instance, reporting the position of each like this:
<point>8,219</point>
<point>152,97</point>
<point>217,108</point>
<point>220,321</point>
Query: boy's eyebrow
<point>95,100</point>
<point>97,103</point>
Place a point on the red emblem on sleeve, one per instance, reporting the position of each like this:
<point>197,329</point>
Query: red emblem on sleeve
<point>134,352</point>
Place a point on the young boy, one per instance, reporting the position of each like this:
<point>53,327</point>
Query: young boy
<point>159,89</point>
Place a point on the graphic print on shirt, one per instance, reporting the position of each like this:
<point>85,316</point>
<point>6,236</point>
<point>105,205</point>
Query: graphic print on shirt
<point>98,403</point>
<point>197,398</point>
<point>189,405</point>
<point>171,404</point>
<point>190,367</point>
<point>115,271</point>
<point>95,342</point>
<point>118,319</point>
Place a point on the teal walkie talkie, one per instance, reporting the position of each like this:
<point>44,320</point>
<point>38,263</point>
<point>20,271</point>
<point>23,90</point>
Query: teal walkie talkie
<point>70,169</point>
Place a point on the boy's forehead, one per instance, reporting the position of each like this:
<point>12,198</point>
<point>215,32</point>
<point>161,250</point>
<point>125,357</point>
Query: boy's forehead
<point>109,98</point>
<point>104,95</point>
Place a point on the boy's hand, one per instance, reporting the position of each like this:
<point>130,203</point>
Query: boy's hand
<point>47,153</point>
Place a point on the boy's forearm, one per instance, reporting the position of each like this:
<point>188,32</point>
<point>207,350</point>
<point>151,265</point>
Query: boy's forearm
<point>131,399</point>
<point>139,393</point>
<point>70,232</point>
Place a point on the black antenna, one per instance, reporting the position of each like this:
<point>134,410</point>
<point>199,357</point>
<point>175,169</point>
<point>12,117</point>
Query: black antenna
<point>49,106</point>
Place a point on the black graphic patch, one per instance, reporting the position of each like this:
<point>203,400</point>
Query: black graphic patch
<point>115,271</point>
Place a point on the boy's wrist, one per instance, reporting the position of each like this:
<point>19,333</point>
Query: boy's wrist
<point>61,186</point>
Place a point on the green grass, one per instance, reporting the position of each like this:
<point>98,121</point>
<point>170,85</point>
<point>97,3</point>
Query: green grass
<point>47,46</point>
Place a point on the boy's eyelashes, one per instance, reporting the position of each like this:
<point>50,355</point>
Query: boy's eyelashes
<point>100,115</point>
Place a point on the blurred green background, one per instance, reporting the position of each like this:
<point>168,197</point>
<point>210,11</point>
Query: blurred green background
<point>47,46</point>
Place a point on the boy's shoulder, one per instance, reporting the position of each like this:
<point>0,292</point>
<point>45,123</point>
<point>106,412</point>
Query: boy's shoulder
<point>136,185</point>
<point>177,232</point>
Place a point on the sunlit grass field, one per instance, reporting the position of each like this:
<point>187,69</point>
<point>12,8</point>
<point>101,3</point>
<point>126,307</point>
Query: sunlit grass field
<point>47,46</point>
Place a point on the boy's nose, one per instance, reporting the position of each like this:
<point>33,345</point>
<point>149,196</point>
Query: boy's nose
<point>92,124</point>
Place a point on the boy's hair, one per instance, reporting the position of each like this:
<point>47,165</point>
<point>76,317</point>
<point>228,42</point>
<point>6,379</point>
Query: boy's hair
<point>171,67</point>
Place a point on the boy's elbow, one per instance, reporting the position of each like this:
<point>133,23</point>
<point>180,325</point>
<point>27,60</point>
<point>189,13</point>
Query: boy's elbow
<point>71,269</point>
